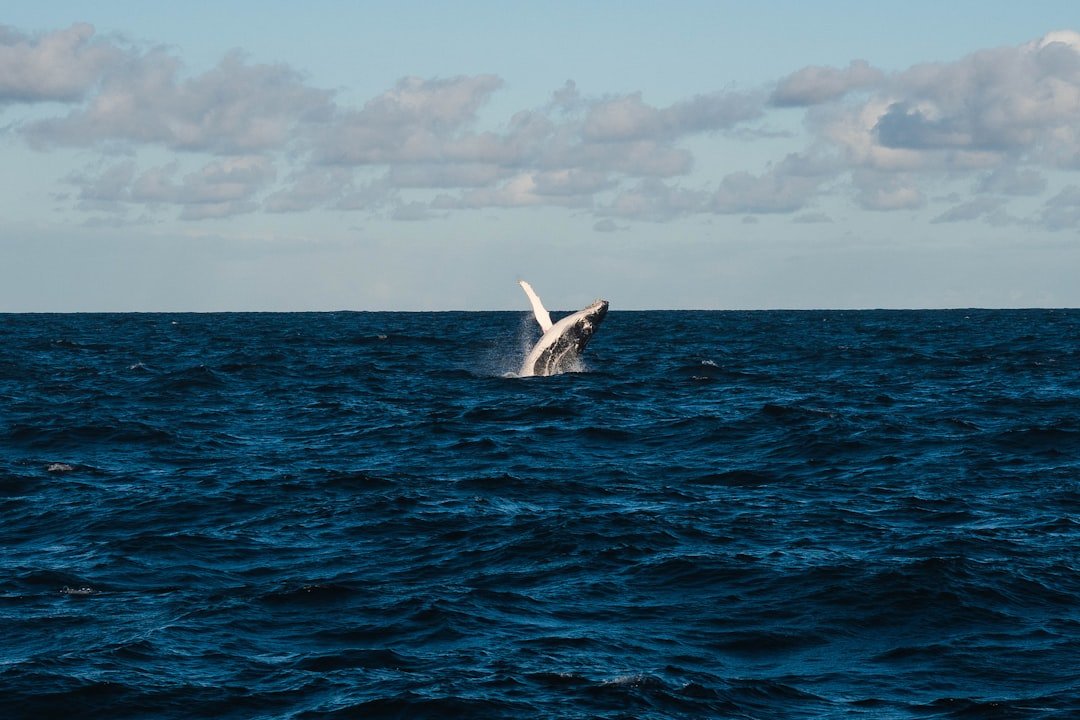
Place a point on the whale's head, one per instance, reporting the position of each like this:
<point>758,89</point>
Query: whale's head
<point>589,320</point>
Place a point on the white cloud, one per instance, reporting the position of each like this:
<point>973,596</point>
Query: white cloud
<point>446,175</point>
<point>1013,100</point>
<point>624,118</point>
<point>1062,212</point>
<point>639,158</point>
<point>970,210</point>
<point>571,182</point>
<point>784,188</point>
<point>111,186</point>
<point>228,180</point>
<point>984,116</point>
<point>431,141</point>
<point>235,108</point>
<point>58,66</point>
<point>810,218</point>
<point>418,120</point>
<point>607,225</point>
<point>1011,180</point>
<point>852,132</point>
<point>815,85</point>
<point>771,192</point>
<point>629,118</point>
<point>566,153</point>
<point>654,200</point>
<point>309,189</point>
<point>877,191</point>
<point>412,211</point>
<point>999,119</point>
<point>220,188</point>
<point>522,190</point>
<point>374,195</point>
<point>155,185</point>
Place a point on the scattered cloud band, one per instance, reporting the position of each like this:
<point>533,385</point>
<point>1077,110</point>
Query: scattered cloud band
<point>248,137</point>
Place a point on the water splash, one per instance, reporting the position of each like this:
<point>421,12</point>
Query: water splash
<point>527,335</point>
<point>504,358</point>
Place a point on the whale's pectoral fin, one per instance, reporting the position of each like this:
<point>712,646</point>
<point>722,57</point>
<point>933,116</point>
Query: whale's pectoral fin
<point>542,315</point>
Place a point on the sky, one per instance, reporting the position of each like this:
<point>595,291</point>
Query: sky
<point>285,156</point>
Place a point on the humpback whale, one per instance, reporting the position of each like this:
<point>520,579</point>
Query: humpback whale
<point>563,342</point>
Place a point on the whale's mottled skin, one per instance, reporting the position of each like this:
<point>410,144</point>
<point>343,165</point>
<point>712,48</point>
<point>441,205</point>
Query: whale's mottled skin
<point>560,348</point>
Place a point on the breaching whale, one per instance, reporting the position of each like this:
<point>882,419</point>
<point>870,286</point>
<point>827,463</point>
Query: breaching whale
<point>563,342</point>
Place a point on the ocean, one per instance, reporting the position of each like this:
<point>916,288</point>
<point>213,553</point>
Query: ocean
<point>866,514</point>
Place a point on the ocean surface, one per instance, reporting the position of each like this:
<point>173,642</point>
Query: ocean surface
<point>365,515</point>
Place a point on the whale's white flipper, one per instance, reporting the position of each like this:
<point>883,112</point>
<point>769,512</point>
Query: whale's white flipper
<point>542,315</point>
<point>562,343</point>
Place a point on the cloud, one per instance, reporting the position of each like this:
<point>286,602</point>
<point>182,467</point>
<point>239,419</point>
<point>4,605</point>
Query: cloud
<point>879,191</point>
<point>906,127</point>
<point>652,199</point>
<point>810,218</point>
<point>629,118</point>
<point>607,225</point>
<point>638,158</point>
<point>1016,101</point>
<point>1000,117</point>
<point>374,195</point>
<point>784,188</point>
<point>815,85</point>
<point>155,185</point>
<point>771,192</point>
<point>1062,212</point>
<point>424,130</point>
<point>234,108</point>
<point>526,190</point>
<point>243,136</point>
<point>61,66</point>
<point>567,153</point>
<point>218,189</point>
<point>311,188</point>
<point>227,180</point>
<point>970,210</point>
<point>571,182</point>
<point>418,121</point>
<point>446,175</point>
<point>1010,180</point>
<point>413,211</point>
<point>106,189</point>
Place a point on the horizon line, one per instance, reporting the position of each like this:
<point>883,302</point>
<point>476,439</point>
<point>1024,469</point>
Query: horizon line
<point>949,308</point>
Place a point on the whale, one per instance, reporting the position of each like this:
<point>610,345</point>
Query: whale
<point>559,349</point>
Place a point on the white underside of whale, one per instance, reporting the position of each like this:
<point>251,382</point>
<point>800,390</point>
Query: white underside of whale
<point>542,315</point>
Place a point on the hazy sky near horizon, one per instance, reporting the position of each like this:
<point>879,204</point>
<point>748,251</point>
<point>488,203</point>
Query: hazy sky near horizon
<point>424,156</point>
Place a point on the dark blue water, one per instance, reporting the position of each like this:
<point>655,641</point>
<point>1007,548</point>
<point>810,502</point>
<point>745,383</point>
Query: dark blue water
<point>748,515</point>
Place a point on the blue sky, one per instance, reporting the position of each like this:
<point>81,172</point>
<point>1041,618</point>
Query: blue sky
<point>415,156</point>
